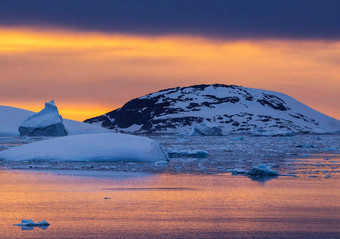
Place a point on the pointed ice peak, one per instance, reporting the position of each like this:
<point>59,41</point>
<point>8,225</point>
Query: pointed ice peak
<point>50,105</point>
<point>45,118</point>
<point>51,102</point>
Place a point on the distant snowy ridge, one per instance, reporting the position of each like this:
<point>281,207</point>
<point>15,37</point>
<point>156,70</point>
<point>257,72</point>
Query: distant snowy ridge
<point>11,118</point>
<point>234,109</point>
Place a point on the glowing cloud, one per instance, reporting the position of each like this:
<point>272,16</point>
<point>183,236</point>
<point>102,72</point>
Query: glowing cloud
<point>91,73</point>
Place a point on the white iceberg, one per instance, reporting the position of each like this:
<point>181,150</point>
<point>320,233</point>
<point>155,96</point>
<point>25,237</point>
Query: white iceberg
<point>89,147</point>
<point>47,122</point>
<point>206,129</point>
<point>11,118</point>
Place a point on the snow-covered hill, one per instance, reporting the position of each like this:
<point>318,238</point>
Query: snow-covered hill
<point>233,108</point>
<point>11,118</point>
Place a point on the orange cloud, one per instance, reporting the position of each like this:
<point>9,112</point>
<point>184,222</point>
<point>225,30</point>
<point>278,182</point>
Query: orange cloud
<point>90,73</point>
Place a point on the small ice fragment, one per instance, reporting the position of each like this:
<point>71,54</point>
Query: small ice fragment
<point>262,170</point>
<point>31,223</point>
<point>236,171</point>
<point>187,153</point>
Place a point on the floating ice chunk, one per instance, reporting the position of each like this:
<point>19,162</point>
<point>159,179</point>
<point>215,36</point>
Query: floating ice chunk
<point>47,122</point>
<point>206,129</point>
<point>262,170</point>
<point>31,223</point>
<point>89,147</point>
<point>237,171</point>
<point>188,153</point>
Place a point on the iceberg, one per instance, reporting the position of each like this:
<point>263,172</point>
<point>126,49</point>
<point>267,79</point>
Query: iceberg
<point>11,118</point>
<point>47,122</point>
<point>89,147</point>
<point>205,129</point>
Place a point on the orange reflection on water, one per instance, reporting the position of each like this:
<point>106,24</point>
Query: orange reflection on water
<point>162,206</point>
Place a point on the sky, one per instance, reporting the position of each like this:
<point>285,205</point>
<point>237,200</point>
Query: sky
<point>93,56</point>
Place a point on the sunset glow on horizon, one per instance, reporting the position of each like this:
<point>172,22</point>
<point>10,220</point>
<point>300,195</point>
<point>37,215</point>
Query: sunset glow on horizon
<point>91,73</point>
<point>170,118</point>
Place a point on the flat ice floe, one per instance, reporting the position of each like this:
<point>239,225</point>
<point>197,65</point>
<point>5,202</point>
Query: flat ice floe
<point>89,147</point>
<point>188,153</point>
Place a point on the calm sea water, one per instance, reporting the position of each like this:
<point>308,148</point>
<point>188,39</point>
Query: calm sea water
<point>188,198</point>
<point>167,206</point>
